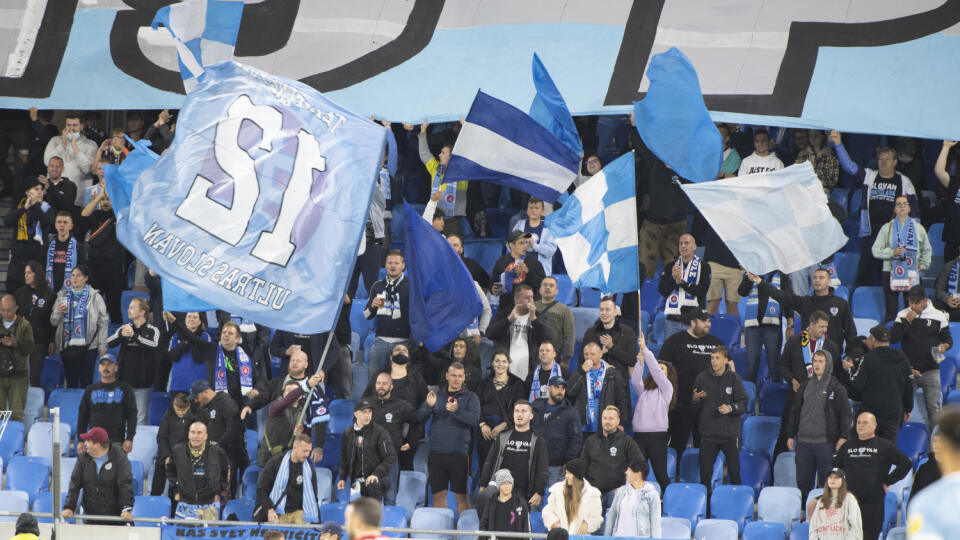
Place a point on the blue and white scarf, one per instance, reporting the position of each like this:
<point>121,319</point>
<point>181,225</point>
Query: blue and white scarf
<point>391,298</point>
<point>903,272</point>
<point>807,354</point>
<point>318,411</point>
<point>535,390</point>
<point>70,265</point>
<point>75,324</point>
<point>244,365</point>
<point>954,278</point>
<point>679,297</point>
<point>771,314</point>
<point>594,387</point>
<point>311,510</point>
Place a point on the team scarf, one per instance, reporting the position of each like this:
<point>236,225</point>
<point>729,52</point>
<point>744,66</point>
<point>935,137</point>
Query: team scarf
<point>535,391</point>
<point>679,297</point>
<point>70,264</point>
<point>28,226</point>
<point>318,411</point>
<point>278,495</point>
<point>771,314</point>
<point>903,272</point>
<point>807,354</point>
<point>391,302</point>
<point>246,371</point>
<point>594,386</point>
<point>75,325</point>
<point>952,281</point>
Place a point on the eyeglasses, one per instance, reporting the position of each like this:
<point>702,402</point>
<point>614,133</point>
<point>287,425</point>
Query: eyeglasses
<point>901,204</point>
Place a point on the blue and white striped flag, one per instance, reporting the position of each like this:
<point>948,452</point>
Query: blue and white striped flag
<point>771,221</point>
<point>205,32</point>
<point>596,230</point>
<point>499,143</point>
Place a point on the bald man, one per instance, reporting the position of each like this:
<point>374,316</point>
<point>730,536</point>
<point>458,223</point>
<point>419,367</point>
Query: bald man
<point>16,345</point>
<point>683,283</point>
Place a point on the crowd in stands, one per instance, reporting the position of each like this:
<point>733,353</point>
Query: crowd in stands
<point>557,408</point>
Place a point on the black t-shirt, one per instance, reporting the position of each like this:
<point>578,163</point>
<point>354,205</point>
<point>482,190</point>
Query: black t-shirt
<point>294,488</point>
<point>59,263</point>
<point>689,356</point>
<point>357,471</point>
<point>516,458</point>
<point>882,195</point>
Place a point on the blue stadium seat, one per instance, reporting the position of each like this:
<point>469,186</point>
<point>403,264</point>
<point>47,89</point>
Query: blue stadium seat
<point>772,399</point>
<point>935,234</point>
<point>589,298</point>
<point>760,434</point>
<point>470,521</point>
<point>889,512</point>
<point>66,471</point>
<point>842,292</point>
<point>751,390</point>
<point>841,196</point>
<point>147,506</point>
<point>764,530</point>
<point>864,325</point>
<point>785,470</point>
<point>136,471</point>
<point>867,303</point>
<point>674,527</point>
<point>40,440</point>
<point>396,517</point>
<point>145,445</point>
<point>43,504</point>
<point>33,410</point>
<point>248,484</point>
<point>650,299</point>
<point>68,399</point>
<point>732,502</point>
<point>361,377</point>
<point>566,294</point>
<point>11,444</point>
<point>498,220</point>
<point>583,318</point>
<point>659,328</point>
<point>324,484</point>
<point>251,441</point>
<point>432,518</point>
<point>159,403</point>
<point>332,512</point>
<point>846,265</point>
<point>331,450</point>
<point>781,505</point>
<point>685,500</point>
<point>800,531</point>
<point>14,501</point>
<point>242,508</point>
<point>485,252</point>
<point>912,441</point>
<point>948,377</point>
<point>953,398</point>
<point>856,197</point>
<point>851,228</point>
<point>754,470</point>
<point>29,474</point>
<point>411,492</point>
<point>689,470</point>
<point>536,523</point>
<point>358,323</point>
<point>341,415</point>
<point>711,529</point>
<point>726,328</point>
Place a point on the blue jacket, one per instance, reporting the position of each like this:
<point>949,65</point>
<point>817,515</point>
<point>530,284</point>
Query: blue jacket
<point>451,431</point>
<point>562,430</point>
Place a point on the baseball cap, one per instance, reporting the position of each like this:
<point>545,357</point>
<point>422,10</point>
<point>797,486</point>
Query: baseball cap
<point>95,434</point>
<point>689,313</point>
<point>880,333</point>
<point>331,527</point>
<point>107,356</point>
<point>557,380</point>
<point>836,471</point>
<point>198,386</point>
<point>516,235</point>
<point>362,404</point>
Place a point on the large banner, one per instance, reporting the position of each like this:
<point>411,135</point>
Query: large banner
<point>878,66</point>
<point>179,532</point>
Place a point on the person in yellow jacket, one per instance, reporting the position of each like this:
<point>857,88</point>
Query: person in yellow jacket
<point>27,528</point>
<point>450,197</point>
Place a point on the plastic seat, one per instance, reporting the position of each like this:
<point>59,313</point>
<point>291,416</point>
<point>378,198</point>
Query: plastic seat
<point>948,377</point>
<point>659,328</point>
<point>889,513</point>
<point>43,504</point>
<point>779,504</point>
<point>29,474</point>
<point>583,318</point>
<point>754,470</point>
<point>760,433</point>
<point>785,470</point>
<point>341,415</point>
<point>751,390</point>
<point>248,483</point>
<point>146,506</point>
<point>411,491</point>
<point>867,303</point>
<point>536,522</point>
<point>251,441</point>
<point>846,265</point>
<point>674,527</point>
<point>733,503</point>
<point>11,444</point>
<point>912,441</point>
<point>242,508</point>
<point>40,440</point>
<point>650,299</point>
<point>715,529</point>
<point>864,325</point>
<point>333,512</point>
<point>432,518</point>
<point>33,409</point>
<point>358,323</point>
<point>324,484</point>
<point>159,403</point>
<point>953,398</point>
<point>13,500</point>
<point>764,530</point>
<point>935,234</point>
<point>498,219</point>
<point>331,451</point>
<point>800,531</point>
<point>726,328</point>
<point>896,533</point>
<point>685,500</point>
<point>126,297</point>
<point>773,397</point>
<point>485,252</point>
<point>136,471</point>
<point>145,445</point>
<point>66,471</point>
<point>565,290</point>
<point>68,399</point>
<point>589,298</point>
<point>689,468</point>
<point>396,517</point>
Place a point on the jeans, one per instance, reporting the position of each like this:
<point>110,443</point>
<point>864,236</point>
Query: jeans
<point>672,327</point>
<point>390,493</point>
<point>765,337</point>
<point>142,396</point>
<point>555,475</point>
<point>812,459</point>
<point>929,381</point>
<point>379,359</point>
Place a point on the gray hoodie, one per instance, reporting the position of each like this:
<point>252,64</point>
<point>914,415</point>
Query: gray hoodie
<point>813,425</point>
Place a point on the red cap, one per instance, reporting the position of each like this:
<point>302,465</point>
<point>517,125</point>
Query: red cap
<point>96,434</point>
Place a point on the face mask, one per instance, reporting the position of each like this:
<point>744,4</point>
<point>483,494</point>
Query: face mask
<point>74,136</point>
<point>399,359</point>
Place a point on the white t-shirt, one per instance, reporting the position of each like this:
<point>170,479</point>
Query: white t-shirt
<point>519,348</point>
<point>754,164</point>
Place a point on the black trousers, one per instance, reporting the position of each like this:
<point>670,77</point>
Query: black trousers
<point>708,455</point>
<point>889,428</point>
<point>107,276</point>
<point>367,265</point>
<point>78,365</point>
<point>653,444</point>
<point>871,514</point>
<point>683,422</point>
<point>868,270</point>
<point>891,298</point>
<point>37,357</point>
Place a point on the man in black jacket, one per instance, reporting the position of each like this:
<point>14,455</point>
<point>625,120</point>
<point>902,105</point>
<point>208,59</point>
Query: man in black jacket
<point>867,460</point>
<point>219,412</point>
<point>198,473</point>
<point>173,430</point>
<point>840,326</point>
<point>519,331</point>
<point>559,423</point>
<point>607,453</point>
<point>399,418</point>
<point>883,381</point>
<point>521,451</point>
<point>618,342</point>
<point>390,303</point>
<point>103,473</point>
<point>594,386</point>
<point>287,488</point>
<point>515,267</point>
<point>138,341</point>
<point>367,453</point>
<point>819,423</point>
<point>109,404</point>
<point>720,395</point>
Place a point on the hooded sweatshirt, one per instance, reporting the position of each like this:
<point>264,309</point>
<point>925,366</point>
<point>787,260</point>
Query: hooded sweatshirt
<point>821,412</point>
<point>813,427</point>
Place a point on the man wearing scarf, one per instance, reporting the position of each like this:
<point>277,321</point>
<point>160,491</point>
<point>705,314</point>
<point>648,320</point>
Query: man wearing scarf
<point>199,473</point>
<point>32,217</point>
<point>389,302</point>
<point>595,385</point>
<point>287,488</point>
<point>62,253</point>
<point>820,421</point>
<point>684,283</point>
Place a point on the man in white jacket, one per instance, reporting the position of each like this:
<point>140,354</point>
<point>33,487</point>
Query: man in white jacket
<point>77,152</point>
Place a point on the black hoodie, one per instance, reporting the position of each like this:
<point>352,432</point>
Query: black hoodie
<point>725,389</point>
<point>884,383</point>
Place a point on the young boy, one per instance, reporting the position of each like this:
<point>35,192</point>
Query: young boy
<point>541,239</point>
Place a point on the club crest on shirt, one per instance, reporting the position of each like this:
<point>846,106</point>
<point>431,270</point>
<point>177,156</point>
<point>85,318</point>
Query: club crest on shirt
<point>213,413</point>
<point>834,310</point>
<point>299,479</point>
<point>613,450</point>
<point>388,417</point>
<point>108,466</point>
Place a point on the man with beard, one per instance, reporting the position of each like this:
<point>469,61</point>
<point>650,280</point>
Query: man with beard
<point>198,474</point>
<point>398,417</point>
<point>559,422</point>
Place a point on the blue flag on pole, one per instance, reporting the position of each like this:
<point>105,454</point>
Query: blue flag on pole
<point>499,143</point>
<point>596,230</point>
<point>673,120</point>
<point>443,299</point>
<point>258,206</point>
<point>550,110</point>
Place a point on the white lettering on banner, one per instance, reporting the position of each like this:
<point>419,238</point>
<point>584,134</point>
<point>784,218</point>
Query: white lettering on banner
<point>230,224</point>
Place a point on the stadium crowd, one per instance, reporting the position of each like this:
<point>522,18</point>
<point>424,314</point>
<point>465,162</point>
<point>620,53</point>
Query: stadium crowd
<point>557,408</point>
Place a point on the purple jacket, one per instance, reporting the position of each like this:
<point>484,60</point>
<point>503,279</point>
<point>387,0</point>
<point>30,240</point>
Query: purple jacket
<point>650,411</point>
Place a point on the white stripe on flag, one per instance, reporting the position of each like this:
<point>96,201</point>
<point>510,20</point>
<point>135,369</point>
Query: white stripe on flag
<point>621,220</point>
<point>497,153</point>
<point>188,20</point>
<point>590,194</point>
<point>576,250</point>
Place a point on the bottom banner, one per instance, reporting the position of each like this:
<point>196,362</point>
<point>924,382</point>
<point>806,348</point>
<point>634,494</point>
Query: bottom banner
<point>178,532</point>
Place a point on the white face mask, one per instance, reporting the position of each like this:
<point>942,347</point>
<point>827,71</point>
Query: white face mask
<point>74,136</point>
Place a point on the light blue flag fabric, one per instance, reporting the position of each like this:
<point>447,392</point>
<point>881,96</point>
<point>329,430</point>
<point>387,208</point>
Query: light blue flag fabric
<point>443,299</point>
<point>596,230</point>
<point>550,110</point>
<point>259,205</point>
<point>673,120</point>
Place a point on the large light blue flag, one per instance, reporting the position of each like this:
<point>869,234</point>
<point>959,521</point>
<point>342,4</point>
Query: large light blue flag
<point>771,221</point>
<point>550,110</point>
<point>443,299</point>
<point>259,205</point>
<point>499,143</point>
<point>673,120</point>
<point>205,32</point>
<point>596,230</point>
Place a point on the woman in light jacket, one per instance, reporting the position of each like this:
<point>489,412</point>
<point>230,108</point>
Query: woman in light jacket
<point>656,396</point>
<point>635,510</point>
<point>80,317</point>
<point>903,246</point>
<point>836,515</point>
<point>574,504</point>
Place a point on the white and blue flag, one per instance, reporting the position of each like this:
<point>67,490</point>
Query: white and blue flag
<point>596,230</point>
<point>499,143</point>
<point>259,204</point>
<point>205,32</point>
<point>771,221</point>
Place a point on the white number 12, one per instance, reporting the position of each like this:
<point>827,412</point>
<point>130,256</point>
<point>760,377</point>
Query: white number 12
<point>230,224</point>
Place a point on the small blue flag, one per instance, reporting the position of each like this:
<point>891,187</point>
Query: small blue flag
<point>443,298</point>
<point>550,110</point>
<point>673,120</point>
